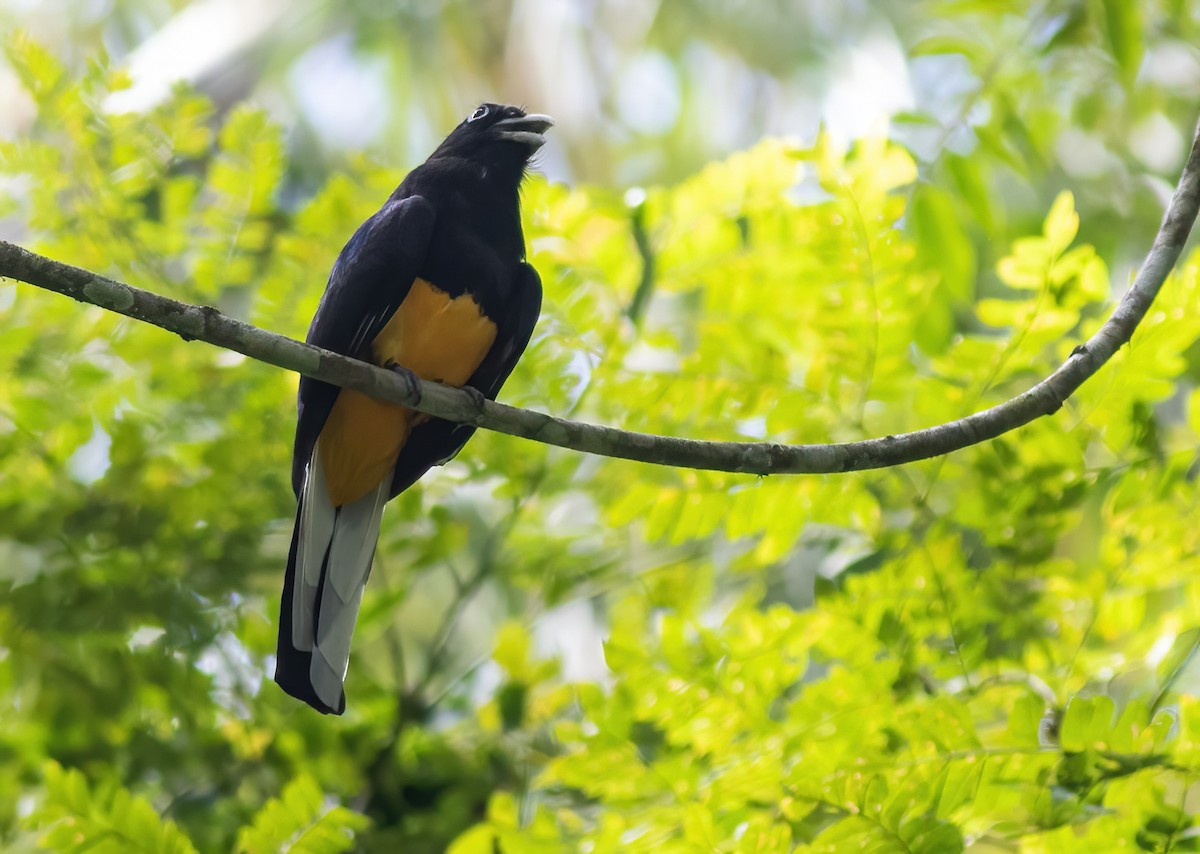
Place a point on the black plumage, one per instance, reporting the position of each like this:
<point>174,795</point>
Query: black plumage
<point>435,281</point>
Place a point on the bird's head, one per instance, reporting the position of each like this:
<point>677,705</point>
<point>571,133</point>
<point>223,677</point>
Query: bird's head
<point>498,137</point>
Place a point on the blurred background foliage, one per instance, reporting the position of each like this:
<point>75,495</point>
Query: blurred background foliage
<point>992,651</point>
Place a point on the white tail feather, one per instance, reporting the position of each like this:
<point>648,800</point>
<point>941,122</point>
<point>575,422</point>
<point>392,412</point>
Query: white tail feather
<point>331,656</point>
<point>348,535</point>
<point>316,530</point>
<point>351,548</point>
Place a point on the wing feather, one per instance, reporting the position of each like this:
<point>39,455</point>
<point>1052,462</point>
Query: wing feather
<point>370,279</point>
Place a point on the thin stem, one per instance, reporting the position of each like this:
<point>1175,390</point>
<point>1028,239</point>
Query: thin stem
<point>762,458</point>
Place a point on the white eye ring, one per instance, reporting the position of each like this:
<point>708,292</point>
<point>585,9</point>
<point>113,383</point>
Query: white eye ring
<point>479,113</point>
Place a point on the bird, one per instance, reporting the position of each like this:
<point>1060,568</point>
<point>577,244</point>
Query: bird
<point>435,285</point>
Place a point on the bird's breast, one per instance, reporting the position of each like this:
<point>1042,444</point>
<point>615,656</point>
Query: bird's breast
<point>436,336</point>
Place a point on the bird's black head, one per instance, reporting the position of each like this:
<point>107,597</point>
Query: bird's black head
<point>498,138</point>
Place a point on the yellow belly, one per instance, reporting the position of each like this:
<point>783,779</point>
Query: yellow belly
<point>433,335</point>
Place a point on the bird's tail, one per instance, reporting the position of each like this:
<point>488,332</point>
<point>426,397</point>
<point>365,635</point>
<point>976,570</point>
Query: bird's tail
<point>327,569</point>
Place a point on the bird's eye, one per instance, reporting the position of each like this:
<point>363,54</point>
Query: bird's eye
<point>479,113</point>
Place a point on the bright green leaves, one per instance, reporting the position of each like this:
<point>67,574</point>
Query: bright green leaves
<point>942,245</point>
<point>506,829</point>
<point>1093,723</point>
<point>1031,264</point>
<point>522,697</point>
<point>74,818</point>
<point>787,266</point>
<point>1026,719</point>
<point>240,218</point>
<point>512,650</point>
<point>994,650</point>
<point>110,820</point>
<point>1120,403</point>
<point>881,824</point>
<point>1038,261</point>
<point>1061,225</point>
<point>685,750</point>
<point>1123,29</point>
<point>300,821</point>
<point>123,191</point>
<point>38,70</point>
<point>1054,285</point>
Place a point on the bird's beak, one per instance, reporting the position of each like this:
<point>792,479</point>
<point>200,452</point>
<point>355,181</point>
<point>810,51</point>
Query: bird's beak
<point>527,130</point>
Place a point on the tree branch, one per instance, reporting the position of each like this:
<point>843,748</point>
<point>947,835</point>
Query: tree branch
<point>207,324</point>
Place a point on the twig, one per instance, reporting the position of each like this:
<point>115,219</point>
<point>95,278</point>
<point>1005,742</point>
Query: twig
<point>763,458</point>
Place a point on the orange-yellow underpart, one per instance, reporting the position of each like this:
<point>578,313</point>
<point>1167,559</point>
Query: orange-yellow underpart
<point>435,336</point>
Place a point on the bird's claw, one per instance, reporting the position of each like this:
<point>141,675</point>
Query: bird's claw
<point>477,398</point>
<point>412,383</point>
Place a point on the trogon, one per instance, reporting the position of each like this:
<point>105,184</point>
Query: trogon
<point>435,285</point>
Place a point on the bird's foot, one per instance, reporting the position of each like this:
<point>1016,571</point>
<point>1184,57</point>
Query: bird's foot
<point>412,383</point>
<point>477,398</point>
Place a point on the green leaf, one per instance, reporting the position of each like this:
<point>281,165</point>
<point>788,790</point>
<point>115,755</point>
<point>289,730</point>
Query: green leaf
<point>480,839</point>
<point>945,43</point>
<point>1025,721</point>
<point>76,819</point>
<point>1088,723</point>
<point>942,240</point>
<point>1062,223</point>
<point>512,649</point>
<point>300,822</point>
<point>858,661</point>
<point>39,71</point>
<point>1123,26</point>
<point>1179,660</point>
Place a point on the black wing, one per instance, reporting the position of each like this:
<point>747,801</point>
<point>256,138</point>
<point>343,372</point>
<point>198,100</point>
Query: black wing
<point>437,441</point>
<point>371,277</point>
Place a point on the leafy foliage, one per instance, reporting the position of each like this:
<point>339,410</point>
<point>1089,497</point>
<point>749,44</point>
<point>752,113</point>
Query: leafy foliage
<point>298,822</point>
<point>112,821</point>
<point>991,651</point>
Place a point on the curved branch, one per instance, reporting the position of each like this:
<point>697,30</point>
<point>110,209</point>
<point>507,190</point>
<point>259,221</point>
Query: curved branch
<point>207,324</point>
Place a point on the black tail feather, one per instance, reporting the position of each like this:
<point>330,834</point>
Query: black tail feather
<point>292,665</point>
